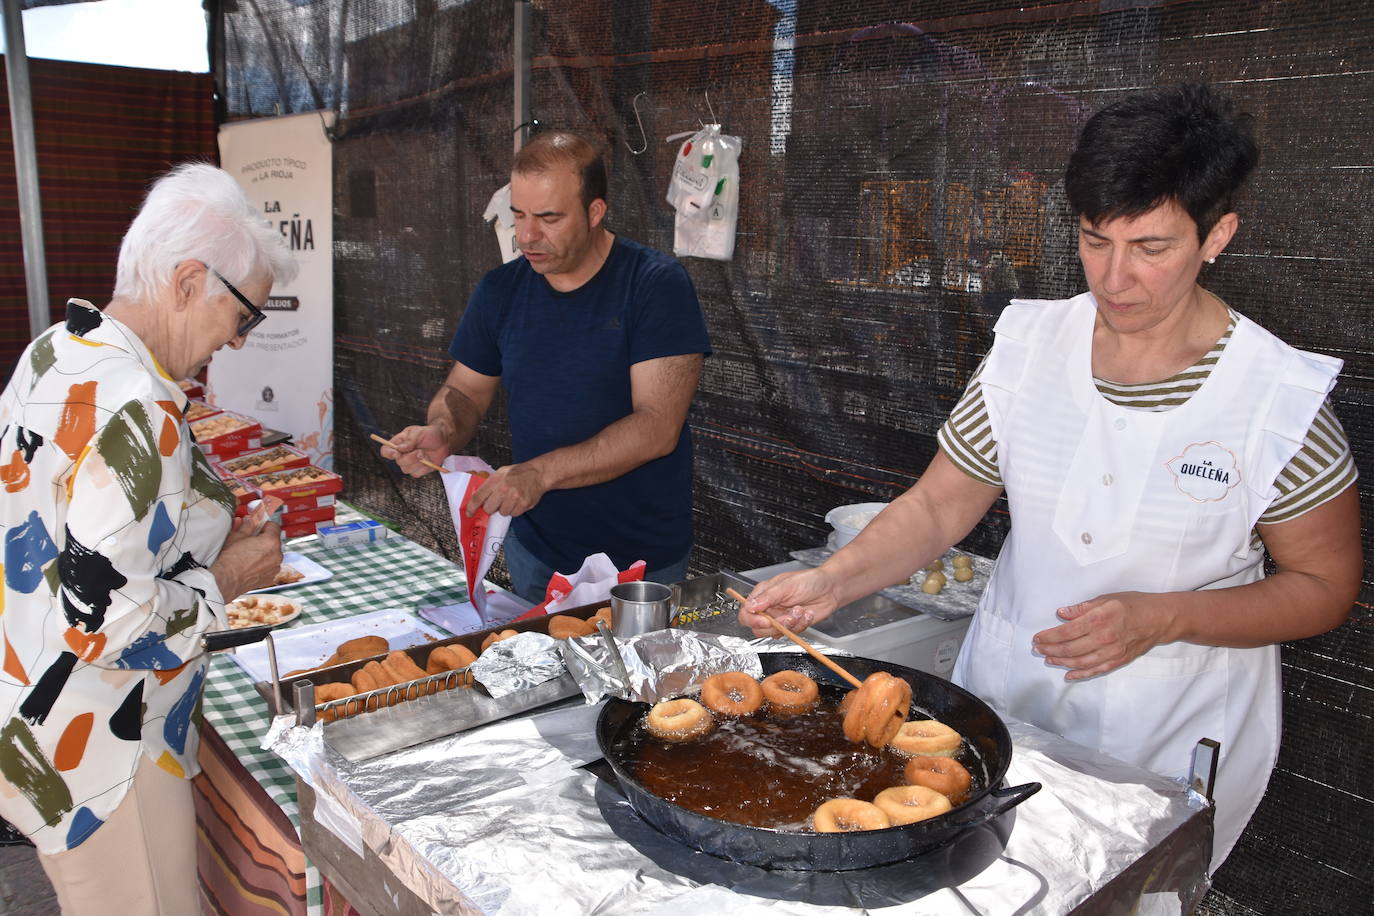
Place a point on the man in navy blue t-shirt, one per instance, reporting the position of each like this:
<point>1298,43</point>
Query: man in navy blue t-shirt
<point>599,343</point>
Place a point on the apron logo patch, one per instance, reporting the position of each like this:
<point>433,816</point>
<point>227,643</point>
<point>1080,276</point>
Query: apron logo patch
<point>1206,471</point>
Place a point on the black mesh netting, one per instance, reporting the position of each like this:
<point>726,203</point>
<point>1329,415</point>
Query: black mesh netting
<point>901,180</point>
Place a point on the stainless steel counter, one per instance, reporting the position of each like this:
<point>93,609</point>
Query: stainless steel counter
<point>879,626</point>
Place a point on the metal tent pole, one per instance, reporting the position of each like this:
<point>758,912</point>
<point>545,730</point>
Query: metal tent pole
<point>26,167</point>
<point>521,66</point>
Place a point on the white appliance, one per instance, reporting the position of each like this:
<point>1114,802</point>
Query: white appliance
<point>879,628</point>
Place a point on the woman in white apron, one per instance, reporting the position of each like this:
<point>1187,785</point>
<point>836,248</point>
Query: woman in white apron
<point>1152,443</point>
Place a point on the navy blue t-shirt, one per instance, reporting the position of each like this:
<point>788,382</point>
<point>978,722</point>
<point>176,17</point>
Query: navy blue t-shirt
<point>564,360</point>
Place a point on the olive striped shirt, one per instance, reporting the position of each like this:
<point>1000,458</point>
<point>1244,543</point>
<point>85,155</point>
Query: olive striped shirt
<point>1321,469</point>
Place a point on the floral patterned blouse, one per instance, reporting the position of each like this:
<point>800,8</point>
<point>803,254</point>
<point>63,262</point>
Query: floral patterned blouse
<point>111,516</point>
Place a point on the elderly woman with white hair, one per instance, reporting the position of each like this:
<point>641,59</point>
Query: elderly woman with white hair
<point>121,551</point>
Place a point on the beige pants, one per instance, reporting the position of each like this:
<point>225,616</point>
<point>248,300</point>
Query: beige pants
<point>142,860</point>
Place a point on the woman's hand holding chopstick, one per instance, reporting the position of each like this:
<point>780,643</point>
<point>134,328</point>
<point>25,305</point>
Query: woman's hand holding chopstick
<point>779,627</point>
<point>797,600</point>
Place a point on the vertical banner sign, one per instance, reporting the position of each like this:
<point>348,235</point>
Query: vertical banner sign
<point>284,375</point>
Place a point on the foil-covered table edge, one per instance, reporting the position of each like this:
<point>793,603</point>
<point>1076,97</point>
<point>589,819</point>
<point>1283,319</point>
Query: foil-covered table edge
<point>496,819</point>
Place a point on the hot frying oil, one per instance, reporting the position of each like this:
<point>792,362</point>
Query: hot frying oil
<point>765,770</point>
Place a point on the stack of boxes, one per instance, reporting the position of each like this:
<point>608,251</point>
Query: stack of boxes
<point>307,494</point>
<point>233,443</point>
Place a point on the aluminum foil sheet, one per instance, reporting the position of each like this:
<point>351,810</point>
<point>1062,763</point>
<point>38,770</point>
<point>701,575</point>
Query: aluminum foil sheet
<point>656,665</point>
<point>524,660</point>
<point>506,820</point>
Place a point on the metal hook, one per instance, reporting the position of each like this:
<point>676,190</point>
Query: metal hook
<point>707,93</point>
<point>642,135</point>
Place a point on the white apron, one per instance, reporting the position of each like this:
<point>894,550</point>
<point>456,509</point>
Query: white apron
<point>1107,499</point>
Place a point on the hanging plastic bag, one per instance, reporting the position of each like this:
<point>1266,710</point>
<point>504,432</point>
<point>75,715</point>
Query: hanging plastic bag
<point>498,213</point>
<point>704,190</point>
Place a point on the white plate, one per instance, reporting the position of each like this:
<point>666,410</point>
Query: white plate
<point>308,645</point>
<point>312,572</point>
<point>272,599</point>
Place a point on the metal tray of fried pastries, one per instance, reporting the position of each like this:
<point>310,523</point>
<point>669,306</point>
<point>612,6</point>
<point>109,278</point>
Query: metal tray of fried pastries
<point>367,724</point>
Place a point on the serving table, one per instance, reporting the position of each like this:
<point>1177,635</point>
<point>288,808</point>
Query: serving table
<point>248,817</point>
<point>543,828</point>
<point>558,836</point>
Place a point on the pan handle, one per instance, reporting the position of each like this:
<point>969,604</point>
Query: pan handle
<point>1007,798</point>
<point>227,639</point>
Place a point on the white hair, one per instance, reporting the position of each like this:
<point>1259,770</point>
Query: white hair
<point>197,212</point>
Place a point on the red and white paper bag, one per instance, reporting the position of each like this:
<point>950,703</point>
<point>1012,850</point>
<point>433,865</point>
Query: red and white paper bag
<point>588,585</point>
<point>479,536</point>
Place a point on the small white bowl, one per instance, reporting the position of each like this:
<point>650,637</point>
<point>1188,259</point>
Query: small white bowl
<point>849,520</point>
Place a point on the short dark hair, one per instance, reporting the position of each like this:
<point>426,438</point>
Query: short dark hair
<point>561,147</point>
<point>1186,144</point>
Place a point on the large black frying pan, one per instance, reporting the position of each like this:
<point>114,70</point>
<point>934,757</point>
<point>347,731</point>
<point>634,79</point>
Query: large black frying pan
<point>770,848</point>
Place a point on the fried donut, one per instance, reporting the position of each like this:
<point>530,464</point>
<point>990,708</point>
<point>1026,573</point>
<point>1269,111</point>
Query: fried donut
<point>568,627</point>
<point>678,720</point>
<point>497,637</point>
<point>732,693</point>
<point>943,774</point>
<point>846,815</point>
<point>327,693</point>
<point>352,650</point>
<point>372,676</point>
<point>879,708</point>
<point>790,692</point>
<point>603,614</point>
<point>925,738</point>
<point>888,711</point>
<point>909,804</point>
<point>402,668</point>
<point>451,658</point>
<point>854,705</point>
<point>365,678</point>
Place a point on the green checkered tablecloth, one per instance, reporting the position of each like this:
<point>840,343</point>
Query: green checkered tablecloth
<point>384,574</point>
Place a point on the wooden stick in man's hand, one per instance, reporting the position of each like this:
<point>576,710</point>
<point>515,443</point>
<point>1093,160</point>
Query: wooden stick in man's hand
<point>426,462</point>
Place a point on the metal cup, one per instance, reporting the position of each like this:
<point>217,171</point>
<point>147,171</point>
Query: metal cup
<point>638,607</point>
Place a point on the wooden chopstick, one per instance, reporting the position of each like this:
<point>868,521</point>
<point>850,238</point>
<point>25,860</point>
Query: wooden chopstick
<point>426,463</point>
<point>810,649</point>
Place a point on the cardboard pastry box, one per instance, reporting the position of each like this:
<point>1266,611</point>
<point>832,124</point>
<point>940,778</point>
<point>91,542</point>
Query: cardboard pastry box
<point>262,460</point>
<point>227,434</point>
<point>297,483</point>
<point>351,533</point>
<point>199,410</point>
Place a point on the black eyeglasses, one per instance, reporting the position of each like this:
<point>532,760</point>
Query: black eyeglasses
<point>256,315</point>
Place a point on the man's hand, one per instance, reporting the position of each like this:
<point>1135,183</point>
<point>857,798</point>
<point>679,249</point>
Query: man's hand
<point>795,599</point>
<point>248,560</point>
<point>416,444</point>
<point>1104,633</point>
<point>511,490</point>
